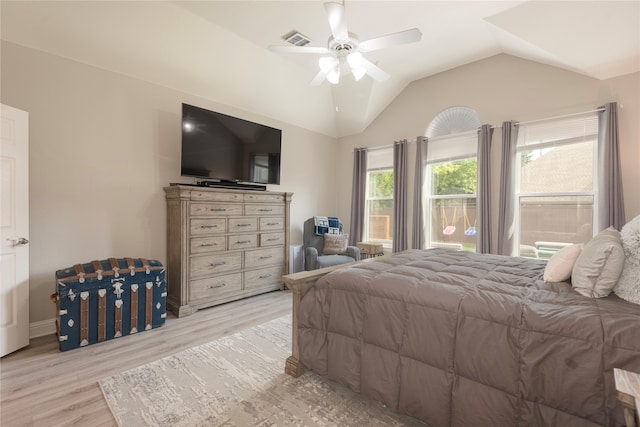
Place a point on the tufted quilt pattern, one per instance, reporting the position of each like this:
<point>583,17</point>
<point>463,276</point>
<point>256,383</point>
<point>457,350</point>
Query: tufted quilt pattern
<point>465,339</point>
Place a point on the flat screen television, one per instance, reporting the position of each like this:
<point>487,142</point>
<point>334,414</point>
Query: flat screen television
<point>223,148</point>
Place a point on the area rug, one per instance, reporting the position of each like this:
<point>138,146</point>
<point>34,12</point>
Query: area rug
<point>238,381</point>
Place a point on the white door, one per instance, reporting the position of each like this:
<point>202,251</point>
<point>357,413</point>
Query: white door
<point>14,230</point>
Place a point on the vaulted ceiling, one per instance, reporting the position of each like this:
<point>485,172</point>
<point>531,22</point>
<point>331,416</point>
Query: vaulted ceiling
<point>218,50</point>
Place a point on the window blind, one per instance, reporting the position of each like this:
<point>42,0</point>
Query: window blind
<point>453,147</point>
<point>558,132</point>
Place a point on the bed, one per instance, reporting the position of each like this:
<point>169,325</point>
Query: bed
<point>457,339</point>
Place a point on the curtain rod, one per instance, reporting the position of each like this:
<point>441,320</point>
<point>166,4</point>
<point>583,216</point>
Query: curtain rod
<point>598,110</point>
<point>384,147</point>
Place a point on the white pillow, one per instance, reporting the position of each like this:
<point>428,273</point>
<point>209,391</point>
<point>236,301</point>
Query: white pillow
<point>628,287</point>
<point>335,244</point>
<point>560,265</point>
<point>598,267</point>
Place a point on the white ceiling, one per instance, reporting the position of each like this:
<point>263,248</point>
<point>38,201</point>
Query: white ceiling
<point>219,49</point>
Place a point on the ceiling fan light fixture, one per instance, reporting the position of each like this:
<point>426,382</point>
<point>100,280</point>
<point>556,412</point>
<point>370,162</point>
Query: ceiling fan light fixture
<point>358,73</point>
<point>355,61</point>
<point>326,63</point>
<point>333,76</point>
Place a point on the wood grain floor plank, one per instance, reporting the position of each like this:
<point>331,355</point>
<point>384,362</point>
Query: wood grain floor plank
<point>41,386</point>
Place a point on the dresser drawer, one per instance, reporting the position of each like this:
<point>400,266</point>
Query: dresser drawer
<point>211,209</point>
<point>267,224</point>
<point>264,210</point>
<point>263,198</point>
<point>216,196</point>
<point>243,241</point>
<point>263,277</point>
<point>214,286</point>
<point>213,264</point>
<point>263,257</point>
<point>208,226</point>
<point>208,244</point>
<point>271,239</point>
<point>243,224</point>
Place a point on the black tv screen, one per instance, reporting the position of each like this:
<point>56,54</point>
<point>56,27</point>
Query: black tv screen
<point>219,147</point>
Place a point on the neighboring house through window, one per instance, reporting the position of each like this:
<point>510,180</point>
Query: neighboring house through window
<point>556,187</point>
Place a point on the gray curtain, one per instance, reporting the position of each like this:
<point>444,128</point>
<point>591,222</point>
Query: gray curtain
<point>400,242</point>
<point>611,203</point>
<point>506,214</point>
<point>417,237</point>
<point>358,195</point>
<point>483,195</point>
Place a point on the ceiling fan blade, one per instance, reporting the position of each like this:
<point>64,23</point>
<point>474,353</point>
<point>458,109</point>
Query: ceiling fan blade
<point>402,37</point>
<point>374,71</point>
<point>337,21</point>
<point>299,49</point>
<point>319,78</point>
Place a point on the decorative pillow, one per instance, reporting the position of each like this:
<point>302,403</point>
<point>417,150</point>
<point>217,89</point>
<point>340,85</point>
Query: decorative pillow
<point>326,224</point>
<point>560,265</point>
<point>628,287</point>
<point>598,267</point>
<point>335,244</point>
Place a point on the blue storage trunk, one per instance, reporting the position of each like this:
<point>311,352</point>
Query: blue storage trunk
<point>102,300</point>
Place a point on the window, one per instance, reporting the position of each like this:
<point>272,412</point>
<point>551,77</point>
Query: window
<point>379,198</point>
<point>451,181</point>
<point>555,184</point>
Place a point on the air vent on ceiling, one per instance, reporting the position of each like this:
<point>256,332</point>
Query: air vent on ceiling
<point>297,39</point>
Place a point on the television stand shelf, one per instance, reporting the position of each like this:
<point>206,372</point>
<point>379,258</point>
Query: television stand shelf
<point>224,184</point>
<point>224,244</point>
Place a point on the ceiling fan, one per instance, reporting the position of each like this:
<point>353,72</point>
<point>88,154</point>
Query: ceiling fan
<point>343,55</point>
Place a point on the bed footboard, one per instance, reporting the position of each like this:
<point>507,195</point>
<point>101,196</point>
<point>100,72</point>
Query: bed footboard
<point>300,283</point>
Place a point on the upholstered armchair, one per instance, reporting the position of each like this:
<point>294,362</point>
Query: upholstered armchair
<point>315,255</point>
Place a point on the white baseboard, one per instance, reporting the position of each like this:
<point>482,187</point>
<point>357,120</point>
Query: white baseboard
<point>41,328</point>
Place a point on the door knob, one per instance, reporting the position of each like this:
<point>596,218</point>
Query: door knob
<point>20,241</point>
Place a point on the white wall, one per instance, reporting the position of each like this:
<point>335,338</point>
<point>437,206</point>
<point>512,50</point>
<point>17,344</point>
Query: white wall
<point>102,147</point>
<point>502,88</point>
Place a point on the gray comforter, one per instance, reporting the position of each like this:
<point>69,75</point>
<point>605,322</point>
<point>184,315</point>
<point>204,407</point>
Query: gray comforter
<point>462,339</point>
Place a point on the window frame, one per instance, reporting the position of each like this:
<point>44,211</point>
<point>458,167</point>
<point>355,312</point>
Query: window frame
<point>467,149</point>
<point>379,159</point>
<point>563,142</point>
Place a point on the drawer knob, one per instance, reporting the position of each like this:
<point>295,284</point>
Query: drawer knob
<point>205,245</point>
<point>273,239</point>
<point>266,257</point>
<point>265,210</point>
<point>243,225</point>
<point>265,276</point>
<point>218,209</point>
<point>217,264</point>
<point>221,285</point>
<point>243,241</point>
<point>273,223</point>
<point>208,226</point>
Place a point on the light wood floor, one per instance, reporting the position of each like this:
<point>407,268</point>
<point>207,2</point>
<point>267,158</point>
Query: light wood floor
<point>41,386</point>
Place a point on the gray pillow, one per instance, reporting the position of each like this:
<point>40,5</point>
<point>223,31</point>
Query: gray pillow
<point>598,267</point>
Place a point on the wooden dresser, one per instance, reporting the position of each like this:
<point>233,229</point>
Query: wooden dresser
<point>223,245</point>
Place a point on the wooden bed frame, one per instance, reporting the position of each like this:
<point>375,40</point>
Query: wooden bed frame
<point>300,283</point>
